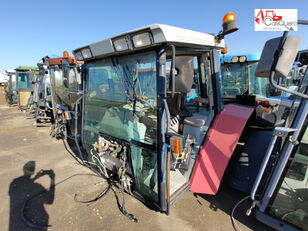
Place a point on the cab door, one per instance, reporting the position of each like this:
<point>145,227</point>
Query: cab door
<point>185,117</point>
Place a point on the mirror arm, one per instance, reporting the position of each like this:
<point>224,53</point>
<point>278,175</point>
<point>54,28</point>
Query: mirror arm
<point>274,84</point>
<point>302,22</point>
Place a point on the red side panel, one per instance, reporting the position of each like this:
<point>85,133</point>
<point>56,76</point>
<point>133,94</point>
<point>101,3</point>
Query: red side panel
<point>218,148</point>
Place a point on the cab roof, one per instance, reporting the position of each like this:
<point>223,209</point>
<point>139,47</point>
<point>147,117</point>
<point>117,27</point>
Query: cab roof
<point>10,71</point>
<point>250,57</point>
<point>160,34</point>
<point>26,68</point>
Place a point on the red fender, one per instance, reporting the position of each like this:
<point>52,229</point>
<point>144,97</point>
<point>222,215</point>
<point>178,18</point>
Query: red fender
<point>218,148</point>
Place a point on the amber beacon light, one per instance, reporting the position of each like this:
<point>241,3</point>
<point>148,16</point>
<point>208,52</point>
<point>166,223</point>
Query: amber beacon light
<point>229,24</point>
<point>224,50</point>
<point>65,54</point>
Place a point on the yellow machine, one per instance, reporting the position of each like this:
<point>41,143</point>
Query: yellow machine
<point>23,98</point>
<point>2,94</point>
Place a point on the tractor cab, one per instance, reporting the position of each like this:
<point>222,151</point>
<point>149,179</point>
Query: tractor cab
<point>238,77</point>
<point>65,81</point>
<point>25,77</point>
<point>10,92</point>
<point>240,85</point>
<point>152,112</point>
<point>42,96</point>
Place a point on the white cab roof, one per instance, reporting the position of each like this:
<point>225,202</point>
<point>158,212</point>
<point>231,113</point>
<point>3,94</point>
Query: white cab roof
<point>161,34</point>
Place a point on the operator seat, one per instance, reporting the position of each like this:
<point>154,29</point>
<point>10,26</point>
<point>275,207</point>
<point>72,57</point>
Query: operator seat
<point>196,120</point>
<point>184,79</point>
<point>174,104</point>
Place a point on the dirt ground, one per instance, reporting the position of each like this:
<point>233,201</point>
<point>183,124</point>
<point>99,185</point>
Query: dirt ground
<point>21,143</point>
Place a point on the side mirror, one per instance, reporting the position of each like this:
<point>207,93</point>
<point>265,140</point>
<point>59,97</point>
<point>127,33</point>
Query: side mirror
<point>276,60</point>
<point>184,76</point>
<point>65,82</point>
<point>78,74</point>
<point>286,56</point>
<point>66,72</point>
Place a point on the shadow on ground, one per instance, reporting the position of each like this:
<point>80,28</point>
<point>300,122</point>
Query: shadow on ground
<point>27,199</point>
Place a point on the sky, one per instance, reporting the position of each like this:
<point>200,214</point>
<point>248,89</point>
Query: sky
<point>32,29</point>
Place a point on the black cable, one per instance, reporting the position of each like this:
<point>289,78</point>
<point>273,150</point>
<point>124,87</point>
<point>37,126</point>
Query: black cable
<point>122,208</point>
<point>100,196</point>
<point>38,226</point>
<point>97,198</point>
<point>103,194</point>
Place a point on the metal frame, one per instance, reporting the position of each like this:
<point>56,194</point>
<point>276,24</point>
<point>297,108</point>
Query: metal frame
<point>285,154</point>
<point>216,82</point>
<point>291,135</point>
<point>162,110</point>
<point>274,223</point>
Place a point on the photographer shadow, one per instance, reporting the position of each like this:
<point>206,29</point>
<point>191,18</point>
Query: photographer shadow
<point>27,199</point>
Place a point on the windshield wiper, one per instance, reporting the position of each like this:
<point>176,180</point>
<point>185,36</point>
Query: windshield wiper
<point>115,64</point>
<point>134,78</point>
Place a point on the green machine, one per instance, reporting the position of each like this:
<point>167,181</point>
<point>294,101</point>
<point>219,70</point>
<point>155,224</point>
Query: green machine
<point>25,77</point>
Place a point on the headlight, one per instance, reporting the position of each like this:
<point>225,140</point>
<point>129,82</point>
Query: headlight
<point>141,40</point>
<point>234,59</point>
<point>79,56</point>
<point>86,53</point>
<point>242,59</point>
<point>120,44</point>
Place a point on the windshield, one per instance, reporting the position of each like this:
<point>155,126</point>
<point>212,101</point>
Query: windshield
<point>118,97</point>
<point>258,86</point>
<point>47,86</point>
<point>23,81</point>
<point>47,81</point>
<point>234,79</point>
<point>120,101</point>
<point>238,78</point>
<point>60,91</point>
<point>72,79</point>
<point>13,87</point>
